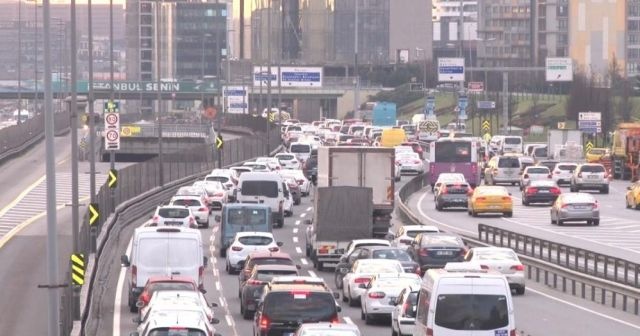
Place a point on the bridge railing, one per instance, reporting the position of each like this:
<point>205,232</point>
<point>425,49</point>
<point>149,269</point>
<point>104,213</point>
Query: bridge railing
<point>549,264</point>
<point>17,138</point>
<point>168,130</point>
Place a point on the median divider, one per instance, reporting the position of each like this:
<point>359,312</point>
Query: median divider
<point>552,272</point>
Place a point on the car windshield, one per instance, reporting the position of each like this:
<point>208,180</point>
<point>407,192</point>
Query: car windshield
<point>187,202</point>
<point>578,198</point>
<point>176,331</point>
<point>260,188</point>
<point>247,216</point>
<point>441,240</point>
<point>512,141</point>
<point>166,286</point>
<point>221,179</point>
<point>268,275</point>
<point>286,157</point>
<point>566,167</point>
<point>395,254</point>
<point>540,151</point>
<point>471,312</point>
<point>538,170</point>
<point>189,191</point>
<point>508,162</point>
<point>497,191</point>
<point>303,306</point>
<point>300,149</point>
<point>173,213</point>
<point>378,268</point>
<point>543,183</point>
<point>597,151</point>
<point>495,255</point>
<point>255,240</point>
<point>415,233</point>
<point>269,261</point>
<point>592,169</point>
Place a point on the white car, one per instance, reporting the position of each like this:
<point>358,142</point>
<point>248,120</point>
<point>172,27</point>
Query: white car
<point>327,329</point>
<point>410,163</point>
<point>194,191</point>
<point>288,200</point>
<point>175,299</point>
<point>288,161</point>
<point>406,233</point>
<point>365,242</point>
<point>534,173</point>
<point>198,208</point>
<point>271,162</point>
<point>403,149</point>
<point>562,172</point>
<point>502,260</point>
<point>245,243</point>
<point>354,283</point>
<point>241,169</point>
<point>217,193</point>
<point>168,215</point>
<point>298,175</point>
<point>403,316</point>
<point>446,178</point>
<point>257,166</point>
<point>164,319</point>
<point>382,291</point>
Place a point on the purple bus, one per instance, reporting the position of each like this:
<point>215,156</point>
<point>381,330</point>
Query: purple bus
<point>454,155</point>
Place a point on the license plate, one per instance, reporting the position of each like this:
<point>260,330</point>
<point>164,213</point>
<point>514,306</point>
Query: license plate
<point>594,177</point>
<point>174,223</point>
<point>544,191</point>
<point>287,334</point>
<point>444,253</point>
<point>580,207</point>
<point>494,207</point>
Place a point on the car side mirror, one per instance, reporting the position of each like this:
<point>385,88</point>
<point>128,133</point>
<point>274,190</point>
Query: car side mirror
<point>214,320</point>
<point>389,236</point>
<point>308,222</point>
<point>363,286</point>
<point>202,290</point>
<point>218,218</point>
<point>393,302</point>
<point>279,244</point>
<point>140,304</point>
<point>124,261</point>
<point>205,261</point>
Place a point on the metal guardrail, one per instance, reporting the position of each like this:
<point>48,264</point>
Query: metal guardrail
<point>574,258</point>
<point>551,272</point>
<point>144,179</point>
<point>17,138</point>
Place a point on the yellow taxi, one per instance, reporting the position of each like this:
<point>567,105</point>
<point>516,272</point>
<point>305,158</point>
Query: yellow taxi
<point>392,137</point>
<point>595,154</point>
<point>490,199</point>
<point>633,196</point>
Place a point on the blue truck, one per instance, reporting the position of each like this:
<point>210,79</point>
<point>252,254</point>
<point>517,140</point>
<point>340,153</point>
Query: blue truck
<point>384,114</point>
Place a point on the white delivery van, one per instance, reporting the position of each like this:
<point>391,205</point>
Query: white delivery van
<point>512,144</point>
<point>464,300</point>
<point>163,251</point>
<point>302,150</point>
<point>264,188</point>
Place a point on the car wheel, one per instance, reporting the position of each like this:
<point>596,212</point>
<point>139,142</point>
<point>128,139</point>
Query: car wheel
<point>132,304</point>
<point>438,207</point>
<point>626,201</point>
<point>308,251</point>
<point>320,266</point>
<point>524,202</point>
<point>344,295</point>
<point>474,213</point>
<point>281,223</point>
<point>560,222</point>
<point>520,290</point>
<point>514,183</point>
<point>223,253</point>
<point>572,188</point>
<point>337,279</point>
<point>508,214</point>
<point>595,222</point>
<point>363,316</point>
<point>247,315</point>
<point>605,190</point>
<point>206,224</point>
<point>227,268</point>
<point>352,301</point>
<point>393,330</point>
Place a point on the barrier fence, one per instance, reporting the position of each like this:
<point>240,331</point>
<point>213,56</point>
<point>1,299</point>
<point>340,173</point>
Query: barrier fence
<point>591,276</point>
<point>144,177</point>
<point>15,139</point>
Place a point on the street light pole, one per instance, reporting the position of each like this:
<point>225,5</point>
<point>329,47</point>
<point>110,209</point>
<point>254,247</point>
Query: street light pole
<point>73,115</point>
<point>112,153</point>
<point>92,122</point>
<point>35,65</point>
<point>356,91</point>
<point>159,93</point>
<point>269,102</point>
<point>19,61</point>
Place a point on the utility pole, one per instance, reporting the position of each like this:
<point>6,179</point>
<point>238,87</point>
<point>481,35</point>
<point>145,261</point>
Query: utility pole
<point>35,65</point>
<point>356,91</point>
<point>73,115</point>
<point>92,125</point>
<point>52,236</point>
<point>112,153</point>
<point>159,93</point>
<point>20,61</point>
<point>269,102</point>
<point>221,104</point>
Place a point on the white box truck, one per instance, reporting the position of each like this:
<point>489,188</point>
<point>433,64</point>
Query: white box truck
<point>369,167</point>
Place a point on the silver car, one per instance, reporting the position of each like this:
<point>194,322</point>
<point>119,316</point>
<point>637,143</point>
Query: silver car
<point>578,207</point>
<point>502,260</point>
<point>590,176</point>
<point>562,172</point>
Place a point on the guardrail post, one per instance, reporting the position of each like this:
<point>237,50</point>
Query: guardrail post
<point>606,268</point>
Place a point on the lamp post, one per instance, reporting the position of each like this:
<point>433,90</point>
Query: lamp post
<point>19,60</point>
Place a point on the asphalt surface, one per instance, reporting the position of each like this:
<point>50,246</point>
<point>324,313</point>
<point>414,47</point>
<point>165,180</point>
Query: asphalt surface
<point>539,312</point>
<point>23,233</point>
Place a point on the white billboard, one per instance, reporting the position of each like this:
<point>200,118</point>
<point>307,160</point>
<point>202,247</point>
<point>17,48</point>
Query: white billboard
<point>450,69</point>
<point>559,69</point>
<point>301,76</point>
<point>261,76</point>
<point>236,99</point>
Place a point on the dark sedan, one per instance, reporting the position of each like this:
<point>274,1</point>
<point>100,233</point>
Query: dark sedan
<point>541,191</point>
<point>251,290</point>
<point>435,250</point>
<point>453,194</point>
<point>374,252</point>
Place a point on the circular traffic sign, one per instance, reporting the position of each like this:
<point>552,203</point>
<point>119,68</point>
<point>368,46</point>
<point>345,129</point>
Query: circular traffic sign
<point>111,118</point>
<point>126,131</point>
<point>112,135</point>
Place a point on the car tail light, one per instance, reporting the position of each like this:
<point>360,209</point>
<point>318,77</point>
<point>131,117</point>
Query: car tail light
<point>481,199</point>
<point>595,205</point>
<point>236,248</point>
<point>335,319</point>
<point>300,182</point>
<point>463,252</point>
<point>264,322</point>
<point>443,190</point>
<point>531,191</point>
<point>513,333</point>
<point>506,198</point>
<point>362,280</point>
<point>495,171</point>
<point>254,282</point>
<point>274,249</point>
<point>192,222</point>
<point>417,270</point>
<point>423,252</point>
<point>155,219</point>
<point>564,206</point>
<point>203,209</point>
<point>376,295</point>
<point>397,162</point>
<point>429,332</point>
<point>416,161</point>
<point>518,267</point>
<point>323,251</point>
<point>134,276</point>
<point>555,191</point>
<point>484,267</point>
<point>144,297</point>
<point>557,172</point>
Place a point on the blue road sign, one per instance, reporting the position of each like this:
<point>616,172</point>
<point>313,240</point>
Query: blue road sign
<point>486,104</point>
<point>462,105</point>
<point>430,106</point>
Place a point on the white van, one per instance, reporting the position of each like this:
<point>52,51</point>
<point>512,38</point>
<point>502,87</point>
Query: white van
<point>464,300</point>
<point>163,251</point>
<point>264,188</point>
<point>302,150</point>
<point>512,144</point>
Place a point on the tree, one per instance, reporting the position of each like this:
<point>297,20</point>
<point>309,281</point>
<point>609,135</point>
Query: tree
<point>579,95</point>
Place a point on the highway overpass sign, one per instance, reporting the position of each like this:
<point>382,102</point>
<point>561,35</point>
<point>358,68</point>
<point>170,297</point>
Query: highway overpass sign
<point>559,69</point>
<point>301,76</point>
<point>450,69</point>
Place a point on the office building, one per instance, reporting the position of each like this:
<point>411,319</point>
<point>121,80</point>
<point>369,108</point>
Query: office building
<point>373,31</point>
<point>410,31</point>
<point>551,25</point>
<point>447,41</point>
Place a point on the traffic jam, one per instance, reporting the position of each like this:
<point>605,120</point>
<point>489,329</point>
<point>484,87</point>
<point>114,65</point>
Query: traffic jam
<point>416,279</point>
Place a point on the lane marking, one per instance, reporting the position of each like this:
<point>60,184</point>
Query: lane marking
<point>309,208</point>
<point>629,324</point>
<point>297,222</point>
<point>118,299</point>
<point>229,320</point>
<point>223,301</point>
<point>295,230</point>
<point>348,320</point>
<point>302,215</point>
<point>295,239</point>
<point>22,195</point>
<point>313,274</point>
<point>218,286</point>
<point>298,250</point>
<point>304,261</point>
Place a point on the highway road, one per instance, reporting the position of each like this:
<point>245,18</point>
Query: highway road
<point>539,312</point>
<point>23,231</point>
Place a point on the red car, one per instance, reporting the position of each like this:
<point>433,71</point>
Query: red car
<point>160,283</point>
